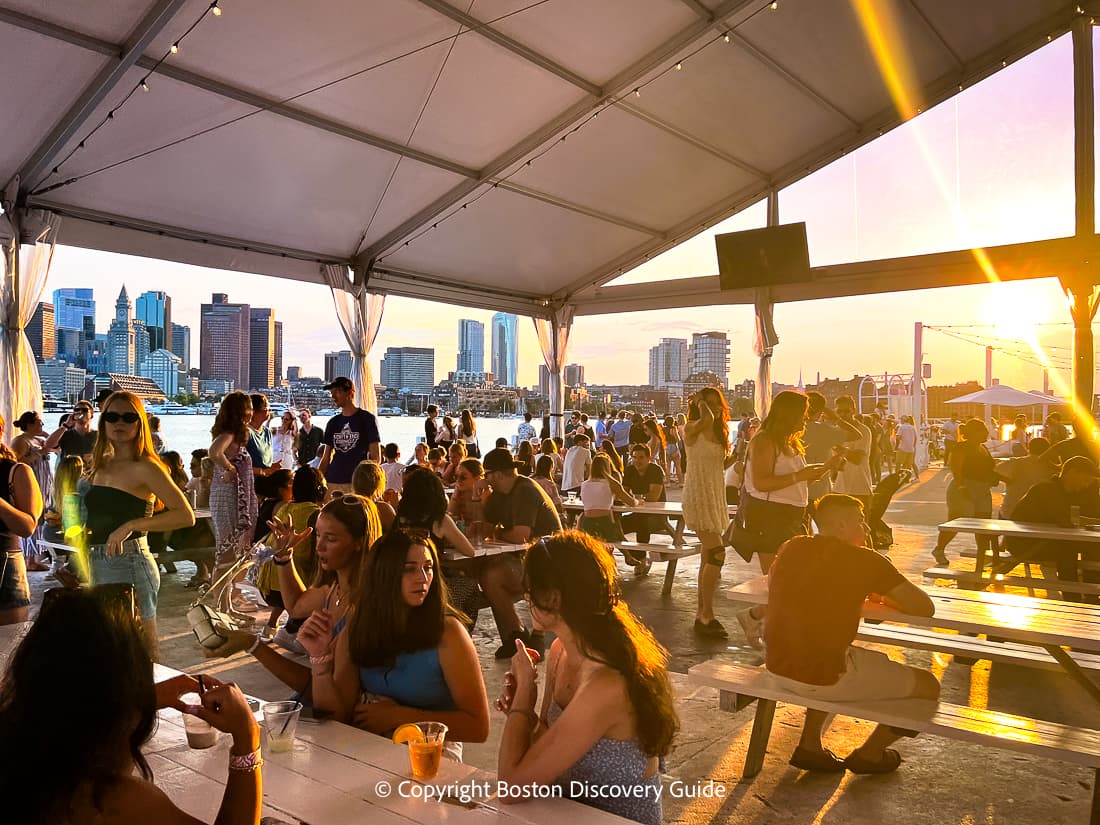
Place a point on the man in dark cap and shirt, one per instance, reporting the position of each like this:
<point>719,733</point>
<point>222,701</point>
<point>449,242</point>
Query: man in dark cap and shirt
<point>519,512</point>
<point>350,437</point>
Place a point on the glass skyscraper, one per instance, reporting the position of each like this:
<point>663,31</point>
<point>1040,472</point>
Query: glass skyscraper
<point>471,346</point>
<point>155,310</point>
<point>505,351</point>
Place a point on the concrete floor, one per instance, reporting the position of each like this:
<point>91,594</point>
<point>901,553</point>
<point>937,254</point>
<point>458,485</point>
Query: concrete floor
<point>941,781</point>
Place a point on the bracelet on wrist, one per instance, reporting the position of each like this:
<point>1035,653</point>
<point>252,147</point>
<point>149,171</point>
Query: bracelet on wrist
<point>246,762</point>
<point>530,714</point>
<point>320,660</point>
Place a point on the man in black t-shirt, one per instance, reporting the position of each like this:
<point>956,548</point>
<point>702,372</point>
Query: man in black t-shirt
<point>309,439</point>
<point>350,437</point>
<point>431,428</point>
<point>519,511</point>
<point>75,436</point>
<point>645,479</point>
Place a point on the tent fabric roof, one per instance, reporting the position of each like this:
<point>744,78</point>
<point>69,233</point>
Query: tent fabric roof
<point>468,165</point>
<point>1002,395</point>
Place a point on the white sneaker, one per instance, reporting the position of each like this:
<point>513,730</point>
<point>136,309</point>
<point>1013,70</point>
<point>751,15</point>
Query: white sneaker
<point>752,627</point>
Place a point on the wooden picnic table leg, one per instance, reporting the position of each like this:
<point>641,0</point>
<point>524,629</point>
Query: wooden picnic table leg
<point>678,532</point>
<point>670,574</point>
<point>1094,815</point>
<point>1074,671</point>
<point>758,741</point>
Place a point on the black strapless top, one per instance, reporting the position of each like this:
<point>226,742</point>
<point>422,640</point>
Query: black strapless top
<point>109,507</point>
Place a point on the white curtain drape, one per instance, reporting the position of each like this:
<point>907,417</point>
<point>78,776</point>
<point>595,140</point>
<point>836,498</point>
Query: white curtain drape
<point>25,267</point>
<point>764,345</point>
<point>553,335</point>
<point>360,316</point>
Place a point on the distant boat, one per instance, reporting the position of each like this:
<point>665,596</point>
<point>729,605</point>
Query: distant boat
<point>329,412</point>
<point>170,408</point>
<point>391,411</point>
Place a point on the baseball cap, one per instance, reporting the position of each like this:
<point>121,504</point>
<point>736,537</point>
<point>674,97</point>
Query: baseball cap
<point>499,459</point>
<point>342,383</point>
<point>1080,464</point>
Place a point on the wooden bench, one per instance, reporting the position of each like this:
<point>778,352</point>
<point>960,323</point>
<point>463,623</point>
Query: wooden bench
<point>969,647</point>
<point>661,552</point>
<point>740,686</point>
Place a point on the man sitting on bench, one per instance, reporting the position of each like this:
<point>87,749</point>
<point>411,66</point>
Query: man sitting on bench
<point>817,586</point>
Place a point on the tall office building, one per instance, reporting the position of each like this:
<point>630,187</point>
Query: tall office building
<point>72,306</point>
<point>224,345</point>
<point>262,348</point>
<point>710,352</point>
<point>293,374</point>
<point>573,375</point>
<point>668,362</point>
<point>155,310</point>
<point>41,333</point>
<point>120,338</point>
<point>411,368</point>
<point>471,346</point>
<point>544,381</point>
<point>278,361</point>
<point>142,345</point>
<point>505,349</point>
<point>181,345</point>
<point>336,364</point>
<point>163,366</point>
<point>94,357</point>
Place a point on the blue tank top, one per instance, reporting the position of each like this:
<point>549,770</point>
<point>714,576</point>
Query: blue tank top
<point>415,680</point>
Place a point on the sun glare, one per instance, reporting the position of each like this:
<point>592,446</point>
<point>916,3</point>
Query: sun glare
<point>1014,310</point>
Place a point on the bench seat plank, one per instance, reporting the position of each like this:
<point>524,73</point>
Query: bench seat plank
<point>1080,746</point>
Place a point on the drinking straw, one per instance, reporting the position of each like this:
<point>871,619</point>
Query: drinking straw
<point>289,716</point>
<point>202,688</point>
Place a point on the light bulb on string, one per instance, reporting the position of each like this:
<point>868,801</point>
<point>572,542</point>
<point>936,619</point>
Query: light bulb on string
<point>679,67</point>
<point>775,5</point>
<point>216,9</point>
<point>726,37</point>
<point>637,93</point>
<point>175,48</point>
<point>144,86</point>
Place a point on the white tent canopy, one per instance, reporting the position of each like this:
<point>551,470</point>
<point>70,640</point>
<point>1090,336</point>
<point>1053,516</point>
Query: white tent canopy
<point>268,143</point>
<point>1002,395</point>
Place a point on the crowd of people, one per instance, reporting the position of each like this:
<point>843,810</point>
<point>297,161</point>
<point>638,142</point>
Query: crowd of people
<point>374,562</point>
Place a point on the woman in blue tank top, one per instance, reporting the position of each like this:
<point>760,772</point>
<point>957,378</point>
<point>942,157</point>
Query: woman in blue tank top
<point>607,716</point>
<point>403,649</point>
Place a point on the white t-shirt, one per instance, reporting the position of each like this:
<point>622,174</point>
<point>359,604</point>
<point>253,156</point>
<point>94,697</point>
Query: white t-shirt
<point>575,467</point>
<point>393,472</point>
<point>906,438</point>
<point>854,479</point>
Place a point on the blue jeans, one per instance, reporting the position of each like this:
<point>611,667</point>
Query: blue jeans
<point>136,567</point>
<point>14,590</point>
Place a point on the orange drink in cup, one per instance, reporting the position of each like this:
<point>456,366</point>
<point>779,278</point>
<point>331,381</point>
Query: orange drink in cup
<point>425,741</point>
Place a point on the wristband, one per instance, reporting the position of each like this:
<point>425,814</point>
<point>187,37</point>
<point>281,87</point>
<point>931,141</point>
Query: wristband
<point>530,714</point>
<point>246,762</point>
<point>320,660</point>
<point>255,644</point>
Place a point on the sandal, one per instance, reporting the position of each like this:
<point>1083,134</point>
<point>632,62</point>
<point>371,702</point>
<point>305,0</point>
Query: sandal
<point>857,763</point>
<point>752,627</point>
<point>822,761</point>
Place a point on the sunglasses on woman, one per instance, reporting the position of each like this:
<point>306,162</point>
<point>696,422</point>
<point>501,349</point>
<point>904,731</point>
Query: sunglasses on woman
<point>127,417</point>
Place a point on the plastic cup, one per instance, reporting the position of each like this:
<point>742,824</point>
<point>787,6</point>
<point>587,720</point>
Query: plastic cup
<point>200,733</point>
<point>281,721</point>
<point>425,755</point>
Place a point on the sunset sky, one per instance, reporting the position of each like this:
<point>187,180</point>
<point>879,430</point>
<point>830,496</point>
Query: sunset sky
<point>993,165</point>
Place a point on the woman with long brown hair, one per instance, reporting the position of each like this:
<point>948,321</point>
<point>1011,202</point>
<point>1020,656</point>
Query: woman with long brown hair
<point>467,431</point>
<point>233,505</point>
<point>607,715</point>
<point>404,648</point>
<point>127,478</point>
<point>776,490</point>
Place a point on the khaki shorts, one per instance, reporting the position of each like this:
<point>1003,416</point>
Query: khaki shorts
<point>868,675</point>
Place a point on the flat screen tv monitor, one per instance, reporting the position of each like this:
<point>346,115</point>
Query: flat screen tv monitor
<point>763,257</point>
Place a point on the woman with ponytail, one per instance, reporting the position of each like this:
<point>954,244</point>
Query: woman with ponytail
<point>607,715</point>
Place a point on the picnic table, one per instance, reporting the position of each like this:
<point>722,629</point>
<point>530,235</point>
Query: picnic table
<point>1047,623</point>
<point>1016,529</point>
<point>484,548</point>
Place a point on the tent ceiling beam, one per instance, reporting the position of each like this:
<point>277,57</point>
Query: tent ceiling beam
<point>698,143</point>
<point>936,33</point>
<point>181,233</point>
<point>1012,262</point>
<point>825,153</point>
<point>514,46</point>
<point>95,92</point>
<point>562,203</point>
<point>569,118</point>
<point>408,283</point>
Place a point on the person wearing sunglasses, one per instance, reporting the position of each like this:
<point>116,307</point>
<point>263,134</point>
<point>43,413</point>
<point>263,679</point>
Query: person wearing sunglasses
<point>607,716</point>
<point>75,436</point>
<point>127,478</point>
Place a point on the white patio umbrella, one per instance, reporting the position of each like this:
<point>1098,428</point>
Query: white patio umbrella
<point>1002,395</point>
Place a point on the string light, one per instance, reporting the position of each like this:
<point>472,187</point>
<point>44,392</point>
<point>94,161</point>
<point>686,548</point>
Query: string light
<point>726,37</point>
<point>775,5</point>
<point>216,9</point>
<point>175,48</point>
<point>144,86</point>
<point>679,67</point>
<point>637,93</point>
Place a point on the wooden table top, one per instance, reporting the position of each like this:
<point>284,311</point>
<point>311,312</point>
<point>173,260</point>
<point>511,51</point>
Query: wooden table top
<point>1020,529</point>
<point>1018,618</point>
